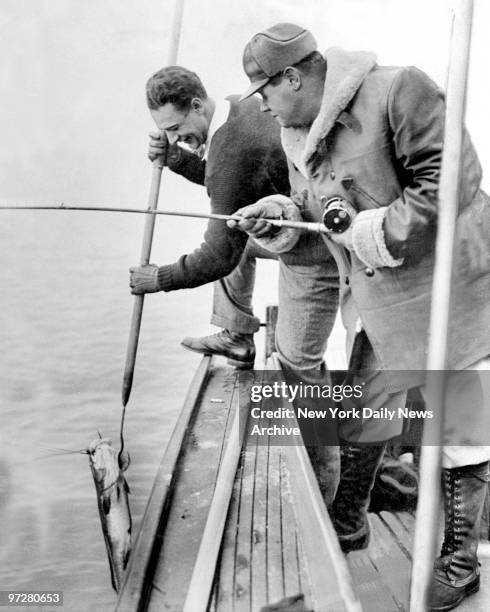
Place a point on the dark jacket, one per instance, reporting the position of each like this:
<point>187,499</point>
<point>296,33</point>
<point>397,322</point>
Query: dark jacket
<point>245,163</point>
<point>377,142</point>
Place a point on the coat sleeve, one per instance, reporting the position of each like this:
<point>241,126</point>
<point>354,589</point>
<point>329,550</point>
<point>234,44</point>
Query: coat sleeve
<point>187,164</point>
<point>232,184</point>
<point>404,231</point>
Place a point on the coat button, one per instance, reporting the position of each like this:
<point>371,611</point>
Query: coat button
<point>332,175</point>
<point>369,272</point>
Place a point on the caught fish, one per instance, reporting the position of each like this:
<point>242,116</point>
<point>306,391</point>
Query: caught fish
<point>108,469</point>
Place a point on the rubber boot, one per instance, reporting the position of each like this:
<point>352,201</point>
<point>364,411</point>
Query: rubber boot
<point>358,466</point>
<point>456,571</point>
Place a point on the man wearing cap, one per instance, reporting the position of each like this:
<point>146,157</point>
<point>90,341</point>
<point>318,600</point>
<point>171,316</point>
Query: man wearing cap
<point>371,137</point>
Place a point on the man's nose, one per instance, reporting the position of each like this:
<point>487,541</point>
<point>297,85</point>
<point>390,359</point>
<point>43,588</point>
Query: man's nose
<point>263,107</point>
<point>172,137</point>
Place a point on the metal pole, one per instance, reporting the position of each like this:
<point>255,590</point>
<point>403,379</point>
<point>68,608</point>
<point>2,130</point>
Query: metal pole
<point>148,232</point>
<point>428,504</point>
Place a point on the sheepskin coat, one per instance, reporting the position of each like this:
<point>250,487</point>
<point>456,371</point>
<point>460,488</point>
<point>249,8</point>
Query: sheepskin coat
<point>377,143</point>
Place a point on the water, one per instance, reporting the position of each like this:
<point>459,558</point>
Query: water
<point>64,321</point>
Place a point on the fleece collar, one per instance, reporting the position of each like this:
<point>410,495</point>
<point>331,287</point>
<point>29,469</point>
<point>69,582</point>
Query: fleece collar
<point>346,71</point>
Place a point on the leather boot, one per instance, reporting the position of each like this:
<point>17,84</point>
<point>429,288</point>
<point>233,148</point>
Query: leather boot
<point>456,571</point>
<point>358,466</point>
<point>447,548</point>
<point>238,348</point>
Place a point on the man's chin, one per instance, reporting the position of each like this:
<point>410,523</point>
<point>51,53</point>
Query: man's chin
<point>282,122</point>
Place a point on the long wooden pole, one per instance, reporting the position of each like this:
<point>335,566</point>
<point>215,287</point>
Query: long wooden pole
<point>428,504</point>
<point>148,231</point>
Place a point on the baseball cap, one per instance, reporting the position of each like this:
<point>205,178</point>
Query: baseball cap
<point>269,52</point>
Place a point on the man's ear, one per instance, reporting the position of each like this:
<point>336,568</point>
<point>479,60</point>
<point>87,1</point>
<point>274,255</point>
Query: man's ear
<point>293,76</point>
<point>197,105</point>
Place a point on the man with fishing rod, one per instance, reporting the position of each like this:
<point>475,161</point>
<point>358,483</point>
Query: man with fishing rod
<point>368,140</point>
<point>244,162</point>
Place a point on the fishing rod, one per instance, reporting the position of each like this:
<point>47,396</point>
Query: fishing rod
<point>336,217</point>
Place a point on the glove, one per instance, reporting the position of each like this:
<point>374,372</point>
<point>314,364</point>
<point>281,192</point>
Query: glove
<point>159,147</point>
<point>144,279</point>
<point>254,222</point>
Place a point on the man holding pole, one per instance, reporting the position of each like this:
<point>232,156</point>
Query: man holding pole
<point>369,139</point>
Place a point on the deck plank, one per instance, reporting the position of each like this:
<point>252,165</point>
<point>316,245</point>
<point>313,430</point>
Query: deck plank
<point>243,555</point>
<point>404,536</point>
<point>382,572</point>
<point>191,500</point>
<point>407,519</point>
<point>291,558</point>
<point>259,594</point>
<point>393,565</point>
<point>274,535</point>
<point>225,576</point>
<point>375,597</point>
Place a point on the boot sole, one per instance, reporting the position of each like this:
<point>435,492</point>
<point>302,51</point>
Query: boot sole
<point>474,589</point>
<point>241,365</point>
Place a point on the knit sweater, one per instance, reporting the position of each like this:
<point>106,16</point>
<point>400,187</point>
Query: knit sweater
<point>245,163</point>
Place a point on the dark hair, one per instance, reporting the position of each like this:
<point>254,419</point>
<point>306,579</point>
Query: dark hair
<point>174,85</point>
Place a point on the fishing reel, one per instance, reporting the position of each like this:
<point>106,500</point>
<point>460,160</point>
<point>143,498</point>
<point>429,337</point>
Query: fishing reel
<point>338,214</point>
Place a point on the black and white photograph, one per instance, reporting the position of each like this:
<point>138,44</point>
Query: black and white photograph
<point>245,322</point>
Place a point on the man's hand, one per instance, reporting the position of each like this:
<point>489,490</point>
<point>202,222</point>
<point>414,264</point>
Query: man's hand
<point>160,148</point>
<point>253,217</point>
<point>143,279</point>
<point>253,220</point>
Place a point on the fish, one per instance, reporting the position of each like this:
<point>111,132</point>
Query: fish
<point>112,489</point>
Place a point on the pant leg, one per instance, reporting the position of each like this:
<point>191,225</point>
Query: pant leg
<point>467,416</point>
<point>377,417</point>
<point>232,300</point>
<point>308,303</point>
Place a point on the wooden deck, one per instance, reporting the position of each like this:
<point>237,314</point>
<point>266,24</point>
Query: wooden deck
<point>382,572</point>
<point>263,557</point>
<point>260,558</point>
<point>277,541</point>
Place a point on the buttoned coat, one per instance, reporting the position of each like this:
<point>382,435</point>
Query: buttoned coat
<point>377,142</point>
